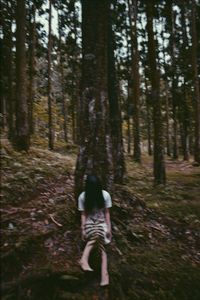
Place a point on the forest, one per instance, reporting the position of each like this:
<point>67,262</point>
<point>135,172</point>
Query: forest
<point>106,87</point>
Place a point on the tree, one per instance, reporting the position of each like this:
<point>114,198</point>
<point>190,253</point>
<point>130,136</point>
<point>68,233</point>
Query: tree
<point>184,105</point>
<point>114,108</point>
<point>49,86</point>
<point>7,68</point>
<point>22,137</point>
<point>159,163</point>
<point>171,25</point>
<point>32,62</point>
<point>196,85</point>
<point>62,77</point>
<point>95,153</point>
<point>135,79</point>
<point>76,76</point>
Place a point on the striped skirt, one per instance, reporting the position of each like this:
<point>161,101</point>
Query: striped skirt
<point>96,231</point>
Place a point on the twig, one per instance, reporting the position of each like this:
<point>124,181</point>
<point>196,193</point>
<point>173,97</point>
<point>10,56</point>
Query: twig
<point>52,218</point>
<point>157,228</point>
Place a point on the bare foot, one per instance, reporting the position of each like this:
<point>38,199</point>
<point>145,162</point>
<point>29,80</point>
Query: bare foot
<point>84,266</point>
<point>105,280</point>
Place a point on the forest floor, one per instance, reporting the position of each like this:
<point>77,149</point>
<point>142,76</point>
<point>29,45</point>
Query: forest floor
<point>155,252</point>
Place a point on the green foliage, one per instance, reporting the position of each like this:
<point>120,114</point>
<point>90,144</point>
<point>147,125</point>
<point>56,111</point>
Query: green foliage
<point>23,174</point>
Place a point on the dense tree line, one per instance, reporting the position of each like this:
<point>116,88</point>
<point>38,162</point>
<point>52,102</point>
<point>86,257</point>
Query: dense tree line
<point>110,76</point>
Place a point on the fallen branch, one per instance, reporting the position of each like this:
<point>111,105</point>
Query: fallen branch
<point>52,218</point>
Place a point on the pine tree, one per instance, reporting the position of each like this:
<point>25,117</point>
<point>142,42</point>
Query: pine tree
<point>22,137</point>
<point>114,108</point>
<point>135,79</point>
<point>95,153</point>
<point>49,86</point>
<point>196,85</point>
<point>159,163</point>
<point>32,63</point>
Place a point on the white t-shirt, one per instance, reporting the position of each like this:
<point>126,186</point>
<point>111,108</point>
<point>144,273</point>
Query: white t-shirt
<point>96,213</point>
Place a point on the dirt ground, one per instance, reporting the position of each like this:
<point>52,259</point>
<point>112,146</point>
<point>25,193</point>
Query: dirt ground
<point>156,238</point>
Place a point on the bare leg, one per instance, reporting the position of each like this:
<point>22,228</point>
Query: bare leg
<point>104,269</point>
<point>85,256</point>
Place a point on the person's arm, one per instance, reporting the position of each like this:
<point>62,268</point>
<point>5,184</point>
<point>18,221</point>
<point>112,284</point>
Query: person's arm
<point>108,222</point>
<point>83,220</point>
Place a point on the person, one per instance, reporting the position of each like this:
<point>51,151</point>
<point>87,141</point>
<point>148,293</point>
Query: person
<point>94,204</point>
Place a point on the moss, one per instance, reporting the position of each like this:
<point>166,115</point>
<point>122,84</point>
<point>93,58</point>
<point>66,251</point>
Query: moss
<point>160,273</point>
<point>26,172</point>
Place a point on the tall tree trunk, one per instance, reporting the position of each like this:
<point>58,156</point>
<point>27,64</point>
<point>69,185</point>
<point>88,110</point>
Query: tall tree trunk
<point>159,163</point>
<point>7,104</point>
<point>32,66</point>
<point>76,79</point>
<point>148,111</point>
<point>22,137</point>
<point>149,128</point>
<point>3,65</point>
<point>73,103</point>
<point>136,79</point>
<point>175,126</point>
<point>128,119</point>
<point>95,153</point>
<point>167,92</point>
<point>49,86</point>
<point>184,107</point>
<point>196,85</point>
<point>167,121</point>
<point>128,104</point>
<point>77,91</point>
<point>114,109</point>
<point>149,123</point>
<point>185,124</point>
<point>73,113</point>
<point>62,79</point>
<point>173,79</point>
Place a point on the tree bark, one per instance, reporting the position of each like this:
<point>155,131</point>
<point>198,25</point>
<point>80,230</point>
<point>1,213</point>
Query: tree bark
<point>135,80</point>
<point>22,137</point>
<point>184,107</point>
<point>167,122</point>
<point>62,83</point>
<point>167,107</point>
<point>149,119</point>
<point>196,85</point>
<point>32,65</point>
<point>49,85</point>
<point>7,101</point>
<point>128,119</point>
<point>173,79</point>
<point>114,109</point>
<point>75,94</point>
<point>128,94</point>
<point>95,153</point>
<point>159,163</point>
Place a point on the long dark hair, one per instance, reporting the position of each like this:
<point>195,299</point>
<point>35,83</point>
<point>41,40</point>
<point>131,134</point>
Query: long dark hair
<point>93,193</point>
